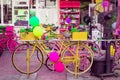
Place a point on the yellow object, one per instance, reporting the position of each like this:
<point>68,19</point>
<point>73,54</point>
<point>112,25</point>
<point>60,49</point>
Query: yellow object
<point>112,50</point>
<point>48,28</point>
<point>97,1</point>
<point>40,25</point>
<point>27,36</point>
<point>79,36</point>
<point>99,6</point>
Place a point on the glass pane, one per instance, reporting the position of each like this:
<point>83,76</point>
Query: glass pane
<point>7,11</point>
<point>21,16</point>
<point>32,3</point>
<point>50,3</point>
<point>46,3</point>
<point>0,11</point>
<point>41,3</point>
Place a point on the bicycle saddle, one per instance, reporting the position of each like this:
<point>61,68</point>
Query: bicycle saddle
<point>54,28</point>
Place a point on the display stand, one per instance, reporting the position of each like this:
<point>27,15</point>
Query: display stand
<point>103,67</point>
<point>69,10</point>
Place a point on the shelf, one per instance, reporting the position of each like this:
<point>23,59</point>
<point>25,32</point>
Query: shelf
<point>62,23</point>
<point>69,9</point>
<point>21,6</point>
<point>69,12</point>
<point>69,4</point>
<point>74,18</point>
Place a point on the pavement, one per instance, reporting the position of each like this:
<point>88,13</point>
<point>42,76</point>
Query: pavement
<point>8,72</point>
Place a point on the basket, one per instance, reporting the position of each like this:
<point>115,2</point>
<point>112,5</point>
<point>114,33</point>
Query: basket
<point>27,36</point>
<point>79,36</point>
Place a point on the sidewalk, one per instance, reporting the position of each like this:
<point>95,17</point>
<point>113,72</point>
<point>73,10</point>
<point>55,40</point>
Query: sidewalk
<point>8,72</point>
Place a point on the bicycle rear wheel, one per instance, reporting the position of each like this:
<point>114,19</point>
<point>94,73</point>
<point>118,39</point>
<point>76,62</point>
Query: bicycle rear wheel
<point>78,58</point>
<point>49,64</point>
<point>25,60</point>
<point>95,48</point>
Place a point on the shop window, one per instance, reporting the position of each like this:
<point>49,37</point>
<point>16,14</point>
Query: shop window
<point>32,4</point>
<point>21,16</point>
<point>6,12</point>
<point>46,3</point>
<point>21,13</point>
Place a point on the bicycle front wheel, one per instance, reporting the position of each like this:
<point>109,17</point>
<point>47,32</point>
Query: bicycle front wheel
<point>25,58</point>
<point>77,58</point>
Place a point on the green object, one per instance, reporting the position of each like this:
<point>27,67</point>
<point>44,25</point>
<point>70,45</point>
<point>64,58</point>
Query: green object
<point>29,30</point>
<point>22,30</point>
<point>74,30</point>
<point>87,31</point>
<point>2,27</point>
<point>99,40</point>
<point>95,49</point>
<point>32,13</point>
<point>34,21</point>
<point>114,18</point>
<point>38,31</point>
<point>0,31</point>
<point>46,38</point>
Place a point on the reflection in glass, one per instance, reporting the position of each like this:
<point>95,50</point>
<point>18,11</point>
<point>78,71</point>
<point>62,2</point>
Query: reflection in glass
<point>46,3</point>
<point>50,3</point>
<point>7,11</point>
<point>21,17</point>
<point>32,3</point>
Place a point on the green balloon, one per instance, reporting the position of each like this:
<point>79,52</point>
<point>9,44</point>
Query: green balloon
<point>38,31</point>
<point>34,21</point>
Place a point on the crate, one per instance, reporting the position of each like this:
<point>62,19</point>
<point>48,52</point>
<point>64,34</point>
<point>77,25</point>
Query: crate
<point>27,36</point>
<point>79,36</point>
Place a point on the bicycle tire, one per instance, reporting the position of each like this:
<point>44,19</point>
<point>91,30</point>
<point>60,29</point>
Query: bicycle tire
<point>11,45</point>
<point>19,66</point>
<point>49,64</point>
<point>69,64</point>
<point>95,48</point>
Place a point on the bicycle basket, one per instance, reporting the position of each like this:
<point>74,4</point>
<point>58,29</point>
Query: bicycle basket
<point>26,34</point>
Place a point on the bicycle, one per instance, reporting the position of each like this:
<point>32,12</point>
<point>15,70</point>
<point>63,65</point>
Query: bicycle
<point>31,53</point>
<point>36,50</point>
<point>91,45</point>
<point>95,48</point>
<point>8,39</point>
